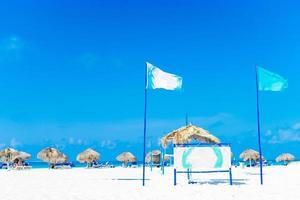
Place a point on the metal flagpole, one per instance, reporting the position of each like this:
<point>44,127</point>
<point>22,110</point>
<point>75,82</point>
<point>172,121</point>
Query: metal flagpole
<point>145,126</point>
<point>258,127</point>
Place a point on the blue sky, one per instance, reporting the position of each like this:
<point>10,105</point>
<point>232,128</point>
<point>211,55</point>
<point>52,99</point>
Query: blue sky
<point>72,73</point>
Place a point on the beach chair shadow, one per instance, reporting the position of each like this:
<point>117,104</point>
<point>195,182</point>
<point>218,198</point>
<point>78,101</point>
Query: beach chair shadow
<point>254,174</point>
<point>129,179</point>
<point>219,181</point>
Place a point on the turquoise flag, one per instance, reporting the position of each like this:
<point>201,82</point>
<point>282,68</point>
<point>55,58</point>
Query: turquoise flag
<point>269,81</point>
<point>156,78</point>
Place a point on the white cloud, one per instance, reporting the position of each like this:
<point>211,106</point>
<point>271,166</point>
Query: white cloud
<point>60,146</point>
<point>290,134</point>
<point>149,144</point>
<point>14,143</point>
<point>79,141</point>
<point>13,43</point>
<point>268,133</point>
<point>2,145</point>
<point>108,144</point>
<point>225,126</point>
<point>71,140</point>
<point>89,60</point>
<point>296,126</point>
<point>11,48</point>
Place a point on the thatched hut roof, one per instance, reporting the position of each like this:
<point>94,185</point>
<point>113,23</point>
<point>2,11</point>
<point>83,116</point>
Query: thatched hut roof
<point>249,154</point>
<point>51,155</point>
<point>88,156</point>
<point>8,154</point>
<point>126,157</point>
<point>22,156</point>
<point>187,134</point>
<point>285,157</point>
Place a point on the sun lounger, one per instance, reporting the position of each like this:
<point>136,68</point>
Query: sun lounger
<point>132,165</point>
<point>4,166</point>
<point>63,166</point>
<point>99,165</point>
<point>95,164</point>
<point>27,166</point>
<point>107,165</point>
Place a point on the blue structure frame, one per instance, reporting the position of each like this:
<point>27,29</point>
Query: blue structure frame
<point>188,172</point>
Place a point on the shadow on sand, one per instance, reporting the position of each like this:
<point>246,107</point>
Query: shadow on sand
<point>254,174</point>
<point>127,179</point>
<point>219,181</point>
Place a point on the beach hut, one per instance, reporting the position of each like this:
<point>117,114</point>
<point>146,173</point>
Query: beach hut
<point>88,156</point>
<point>51,156</point>
<point>187,134</point>
<point>249,155</point>
<point>286,158</point>
<point>126,157</point>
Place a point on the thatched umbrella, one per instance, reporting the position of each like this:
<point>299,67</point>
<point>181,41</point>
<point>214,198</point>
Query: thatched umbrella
<point>285,157</point>
<point>62,158</point>
<point>156,154</point>
<point>88,156</point>
<point>51,156</point>
<point>8,154</point>
<point>126,157</point>
<point>21,156</point>
<point>187,134</point>
<point>250,155</point>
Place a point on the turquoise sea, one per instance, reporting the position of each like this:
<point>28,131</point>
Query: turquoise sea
<point>39,164</point>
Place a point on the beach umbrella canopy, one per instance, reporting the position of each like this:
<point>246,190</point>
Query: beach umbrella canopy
<point>62,158</point>
<point>126,157</point>
<point>8,154</point>
<point>167,158</point>
<point>88,156</point>
<point>249,155</point>
<point>187,134</point>
<point>21,156</point>
<point>51,155</point>
<point>155,157</point>
<point>286,157</point>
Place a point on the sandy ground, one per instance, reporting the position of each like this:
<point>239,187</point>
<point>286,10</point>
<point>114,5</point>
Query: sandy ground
<point>118,183</point>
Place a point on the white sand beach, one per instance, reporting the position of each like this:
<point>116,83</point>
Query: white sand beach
<point>118,183</point>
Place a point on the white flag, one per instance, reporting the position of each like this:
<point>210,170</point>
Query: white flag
<point>156,78</point>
